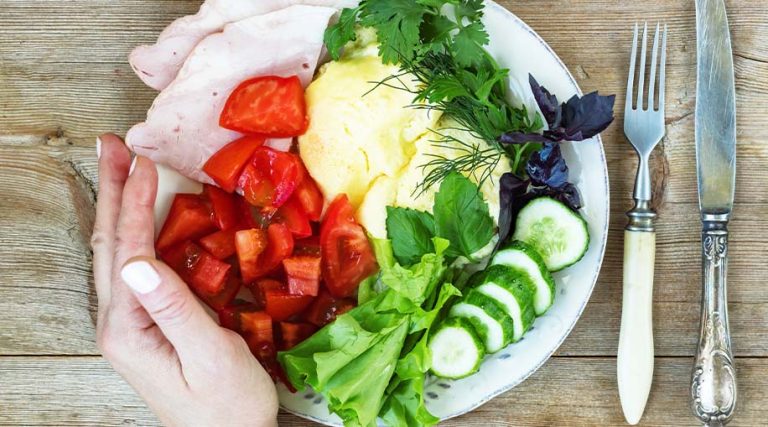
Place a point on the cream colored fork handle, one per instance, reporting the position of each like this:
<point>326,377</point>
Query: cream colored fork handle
<point>635,357</point>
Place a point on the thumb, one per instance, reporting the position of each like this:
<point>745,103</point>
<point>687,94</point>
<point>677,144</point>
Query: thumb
<point>172,306</point>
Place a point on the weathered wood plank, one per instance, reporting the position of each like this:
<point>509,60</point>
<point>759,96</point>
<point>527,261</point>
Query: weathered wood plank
<point>566,391</point>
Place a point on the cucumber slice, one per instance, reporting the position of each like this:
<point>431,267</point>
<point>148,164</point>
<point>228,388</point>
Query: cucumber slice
<point>456,349</point>
<point>514,292</point>
<point>492,323</point>
<point>523,257</point>
<point>556,232</point>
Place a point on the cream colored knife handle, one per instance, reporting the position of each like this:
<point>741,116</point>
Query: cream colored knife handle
<point>635,357</point>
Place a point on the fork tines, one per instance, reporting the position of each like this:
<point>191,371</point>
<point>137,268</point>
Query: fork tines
<point>653,99</point>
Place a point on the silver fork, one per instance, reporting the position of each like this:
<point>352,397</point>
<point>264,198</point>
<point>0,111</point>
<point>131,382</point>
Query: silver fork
<point>644,127</point>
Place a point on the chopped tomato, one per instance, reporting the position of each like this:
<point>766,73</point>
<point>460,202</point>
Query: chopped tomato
<point>226,165</point>
<point>262,286</point>
<point>220,244</point>
<point>294,333</point>
<point>271,177</point>
<point>303,274</point>
<point>189,218</point>
<point>208,277</point>
<point>309,246</point>
<point>280,247</point>
<point>250,244</point>
<point>257,327</point>
<point>281,305</point>
<point>292,215</point>
<point>347,255</point>
<point>271,106</point>
<point>223,205</point>
<point>309,198</point>
<point>229,316</point>
<point>326,308</point>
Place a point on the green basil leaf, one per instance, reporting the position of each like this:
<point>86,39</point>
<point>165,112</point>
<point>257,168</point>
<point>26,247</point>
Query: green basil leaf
<point>411,233</point>
<point>461,216</point>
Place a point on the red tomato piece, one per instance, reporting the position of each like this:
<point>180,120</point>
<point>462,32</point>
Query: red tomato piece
<point>347,255</point>
<point>257,188</point>
<point>189,218</point>
<point>309,246</point>
<point>280,247</point>
<point>326,308</point>
<point>257,327</point>
<point>309,198</point>
<point>226,165</point>
<point>229,316</point>
<point>224,208</point>
<point>281,305</point>
<point>292,215</point>
<point>303,274</point>
<point>271,177</point>
<point>208,277</point>
<point>294,333</point>
<point>271,106</point>
<point>260,288</point>
<point>250,244</point>
<point>220,244</point>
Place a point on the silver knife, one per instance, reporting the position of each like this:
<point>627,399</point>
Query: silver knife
<point>713,388</point>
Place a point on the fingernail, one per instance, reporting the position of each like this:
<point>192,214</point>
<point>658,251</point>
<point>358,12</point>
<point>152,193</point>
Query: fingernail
<point>98,147</point>
<point>133,166</point>
<point>140,276</point>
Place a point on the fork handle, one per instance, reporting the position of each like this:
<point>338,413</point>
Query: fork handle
<point>634,365</point>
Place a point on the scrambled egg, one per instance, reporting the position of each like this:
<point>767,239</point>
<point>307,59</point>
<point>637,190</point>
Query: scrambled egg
<point>365,142</point>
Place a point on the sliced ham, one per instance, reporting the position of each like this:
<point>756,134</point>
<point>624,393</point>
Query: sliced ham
<point>158,64</point>
<point>182,127</point>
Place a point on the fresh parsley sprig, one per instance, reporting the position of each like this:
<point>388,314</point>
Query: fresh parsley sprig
<point>440,45</point>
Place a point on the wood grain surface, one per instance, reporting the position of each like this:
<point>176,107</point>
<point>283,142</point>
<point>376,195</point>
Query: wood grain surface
<point>64,79</point>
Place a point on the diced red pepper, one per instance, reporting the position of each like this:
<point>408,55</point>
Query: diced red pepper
<point>309,198</point>
<point>229,316</point>
<point>208,277</point>
<point>303,274</point>
<point>347,254</point>
<point>271,105</point>
<point>280,247</point>
<point>281,305</point>
<point>326,308</point>
<point>250,245</point>
<point>257,327</point>
<point>220,244</point>
<point>226,165</point>
<point>224,208</point>
<point>189,218</point>
<point>260,287</point>
<point>293,333</point>
<point>292,215</point>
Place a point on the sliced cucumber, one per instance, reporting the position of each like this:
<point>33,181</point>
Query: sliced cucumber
<point>513,290</point>
<point>523,257</point>
<point>492,323</point>
<point>556,232</point>
<point>456,349</point>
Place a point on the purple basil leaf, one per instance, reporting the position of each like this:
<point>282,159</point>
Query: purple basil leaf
<point>512,198</point>
<point>547,167</point>
<point>519,138</point>
<point>548,104</point>
<point>587,116</point>
<point>567,194</point>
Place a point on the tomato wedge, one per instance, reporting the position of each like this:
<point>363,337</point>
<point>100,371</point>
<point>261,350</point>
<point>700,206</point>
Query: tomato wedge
<point>250,244</point>
<point>224,208</point>
<point>220,244</point>
<point>271,177</point>
<point>326,308</point>
<point>271,106</point>
<point>293,333</point>
<point>281,305</point>
<point>292,215</point>
<point>189,218</point>
<point>208,277</point>
<point>226,165</point>
<point>347,255</point>
<point>310,198</point>
<point>303,274</point>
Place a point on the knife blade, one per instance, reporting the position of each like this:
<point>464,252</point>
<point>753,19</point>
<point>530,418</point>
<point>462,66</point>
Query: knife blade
<point>715,115</point>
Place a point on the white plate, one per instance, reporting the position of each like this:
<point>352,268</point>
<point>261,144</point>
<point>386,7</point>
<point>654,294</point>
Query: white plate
<point>517,47</point>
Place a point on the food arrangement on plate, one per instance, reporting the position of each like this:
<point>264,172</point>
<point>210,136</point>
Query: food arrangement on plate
<point>379,208</point>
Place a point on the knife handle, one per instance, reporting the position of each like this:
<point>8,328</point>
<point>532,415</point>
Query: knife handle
<point>634,365</point>
<point>713,389</point>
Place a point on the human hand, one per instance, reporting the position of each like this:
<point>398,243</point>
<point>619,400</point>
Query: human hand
<point>150,327</point>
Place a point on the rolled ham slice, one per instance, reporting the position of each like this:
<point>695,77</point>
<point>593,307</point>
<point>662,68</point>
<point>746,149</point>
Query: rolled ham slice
<point>157,65</point>
<point>182,127</point>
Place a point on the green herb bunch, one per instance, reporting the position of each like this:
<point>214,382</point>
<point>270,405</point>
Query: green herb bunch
<point>441,44</point>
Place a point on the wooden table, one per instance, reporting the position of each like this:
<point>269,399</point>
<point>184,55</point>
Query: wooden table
<point>64,79</point>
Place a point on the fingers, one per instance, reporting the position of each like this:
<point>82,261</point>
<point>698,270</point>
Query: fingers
<point>114,161</point>
<point>135,227</point>
<point>172,306</point>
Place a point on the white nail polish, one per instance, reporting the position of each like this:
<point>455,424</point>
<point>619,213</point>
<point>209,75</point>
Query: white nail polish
<point>133,166</point>
<point>98,147</point>
<point>141,277</point>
